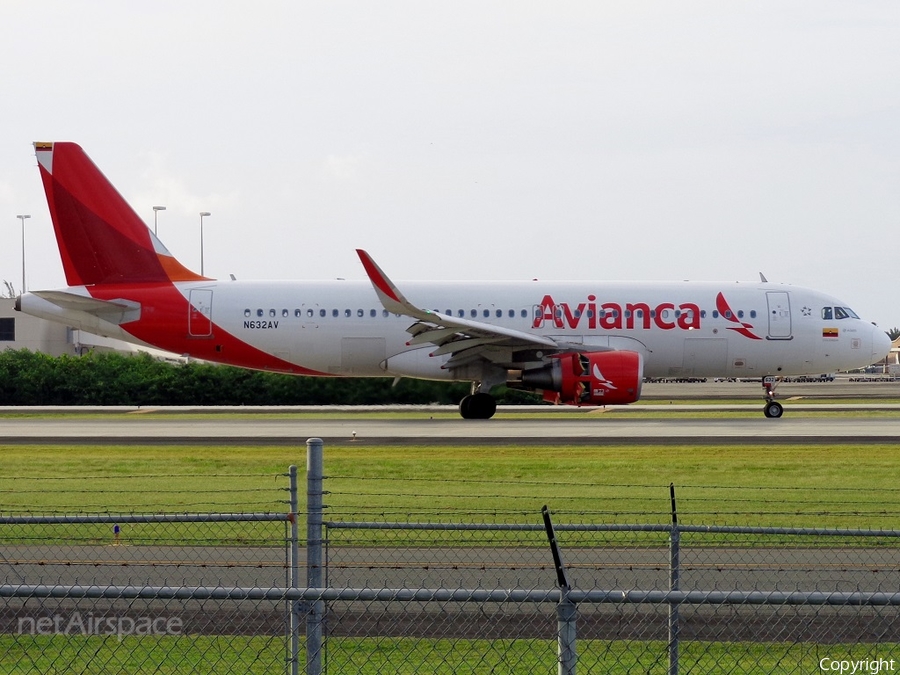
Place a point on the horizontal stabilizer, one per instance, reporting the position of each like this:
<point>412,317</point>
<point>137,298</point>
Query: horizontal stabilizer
<point>115,311</point>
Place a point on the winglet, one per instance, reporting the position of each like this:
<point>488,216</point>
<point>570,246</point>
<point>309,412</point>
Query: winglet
<point>388,293</point>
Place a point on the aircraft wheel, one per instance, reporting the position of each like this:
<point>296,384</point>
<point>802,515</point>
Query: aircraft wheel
<point>477,407</point>
<point>773,409</point>
<point>465,408</point>
<point>484,405</point>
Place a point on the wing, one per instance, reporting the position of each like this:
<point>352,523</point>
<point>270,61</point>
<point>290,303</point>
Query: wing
<point>465,340</point>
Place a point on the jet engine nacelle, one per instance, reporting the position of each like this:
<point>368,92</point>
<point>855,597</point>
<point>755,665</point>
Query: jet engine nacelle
<point>589,378</point>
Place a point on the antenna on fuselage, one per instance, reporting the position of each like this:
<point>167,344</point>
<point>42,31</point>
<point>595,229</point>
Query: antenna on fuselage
<point>762,278</point>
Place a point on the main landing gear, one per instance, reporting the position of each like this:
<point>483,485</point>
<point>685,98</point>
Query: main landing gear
<point>772,409</point>
<point>478,406</point>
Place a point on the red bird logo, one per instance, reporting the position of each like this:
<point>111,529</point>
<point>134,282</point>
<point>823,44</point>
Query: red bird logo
<point>744,329</point>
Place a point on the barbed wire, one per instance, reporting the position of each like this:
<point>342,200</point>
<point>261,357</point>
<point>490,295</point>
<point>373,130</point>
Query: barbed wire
<point>595,484</point>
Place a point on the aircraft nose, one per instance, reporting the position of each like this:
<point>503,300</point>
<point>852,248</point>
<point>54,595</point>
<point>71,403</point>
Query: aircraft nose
<point>881,344</point>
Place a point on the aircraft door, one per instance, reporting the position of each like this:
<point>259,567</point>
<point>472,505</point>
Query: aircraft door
<point>200,313</point>
<point>779,315</point>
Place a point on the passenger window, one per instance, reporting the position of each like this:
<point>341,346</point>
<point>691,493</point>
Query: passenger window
<point>259,312</point>
<point>334,313</point>
<point>271,312</point>
<point>297,313</point>
<point>309,312</point>
<point>284,312</point>
<point>322,312</point>
<point>499,313</point>
<point>247,312</point>
<point>360,313</point>
<point>487,313</point>
<point>461,313</point>
<point>372,313</point>
<point>347,313</point>
<point>474,313</point>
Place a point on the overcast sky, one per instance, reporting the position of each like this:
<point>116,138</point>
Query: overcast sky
<point>474,140</point>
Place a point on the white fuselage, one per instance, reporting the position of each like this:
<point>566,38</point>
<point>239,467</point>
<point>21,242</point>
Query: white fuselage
<point>340,327</point>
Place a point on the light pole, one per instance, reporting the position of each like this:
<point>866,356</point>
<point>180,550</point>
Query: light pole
<point>22,218</point>
<point>156,210</point>
<point>202,215</point>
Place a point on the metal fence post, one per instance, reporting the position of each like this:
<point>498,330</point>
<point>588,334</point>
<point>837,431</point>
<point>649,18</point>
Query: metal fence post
<point>314,505</point>
<point>294,562</point>
<point>566,611</point>
<point>567,652</point>
<point>674,552</point>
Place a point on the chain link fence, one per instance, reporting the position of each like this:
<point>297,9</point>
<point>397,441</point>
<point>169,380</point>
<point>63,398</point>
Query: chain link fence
<point>374,585</point>
<point>94,591</point>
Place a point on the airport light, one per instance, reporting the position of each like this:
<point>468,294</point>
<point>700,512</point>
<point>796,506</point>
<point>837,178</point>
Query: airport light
<point>156,210</point>
<point>22,218</point>
<point>202,214</point>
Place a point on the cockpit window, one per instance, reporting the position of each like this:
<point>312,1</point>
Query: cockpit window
<point>844,313</point>
<point>830,313</point>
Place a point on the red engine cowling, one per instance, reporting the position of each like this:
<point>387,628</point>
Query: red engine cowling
<point>590,378</point>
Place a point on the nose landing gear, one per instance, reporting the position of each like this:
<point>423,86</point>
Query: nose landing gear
<point>772,409</point>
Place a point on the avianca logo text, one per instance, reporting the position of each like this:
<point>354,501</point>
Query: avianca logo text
<point>612,316</point>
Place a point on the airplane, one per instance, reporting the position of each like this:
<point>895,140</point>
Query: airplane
<point>574,342</point>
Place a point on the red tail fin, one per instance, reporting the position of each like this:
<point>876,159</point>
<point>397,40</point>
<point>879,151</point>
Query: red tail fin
<point>101,239</point>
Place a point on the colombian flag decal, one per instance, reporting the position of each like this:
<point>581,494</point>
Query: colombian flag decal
<point>829,332</point>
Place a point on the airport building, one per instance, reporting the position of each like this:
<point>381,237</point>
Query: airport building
<point>21,331</point>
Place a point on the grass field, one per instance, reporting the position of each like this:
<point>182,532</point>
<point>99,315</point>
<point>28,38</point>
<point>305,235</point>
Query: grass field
<point>831,485</point>
<point>835,485</point>
<point>55,655</point>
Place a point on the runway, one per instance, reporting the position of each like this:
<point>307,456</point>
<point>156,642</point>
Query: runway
<point>590,428</point>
